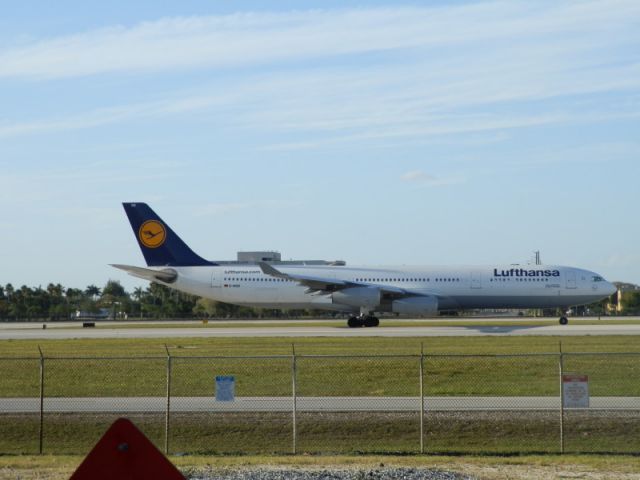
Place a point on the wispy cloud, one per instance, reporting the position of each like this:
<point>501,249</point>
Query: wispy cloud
<point>420,177</point>
<point>342,116</point>
<point>592,152</point>
<point>504,63</point>
<point>45,184</point>
<point>417,176</point>
<point>217,209</point>
<point>261,38</point>
<point>116,114</point>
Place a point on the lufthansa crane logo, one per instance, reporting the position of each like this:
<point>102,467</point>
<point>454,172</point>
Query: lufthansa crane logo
<point>152,234</point>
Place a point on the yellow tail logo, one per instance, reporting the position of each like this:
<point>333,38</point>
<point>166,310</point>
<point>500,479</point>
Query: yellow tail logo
<point>152,234</point>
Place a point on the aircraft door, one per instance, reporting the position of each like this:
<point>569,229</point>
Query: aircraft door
<point>216,278</point>
<point>476,279</point>
<point>570,279</point>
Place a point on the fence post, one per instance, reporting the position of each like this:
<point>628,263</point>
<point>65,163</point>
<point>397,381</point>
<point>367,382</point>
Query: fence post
<point>41,427</point>
<point>294,397</point>
<point>422,398</point>
<point>561,369</point>
<point>168,410</point>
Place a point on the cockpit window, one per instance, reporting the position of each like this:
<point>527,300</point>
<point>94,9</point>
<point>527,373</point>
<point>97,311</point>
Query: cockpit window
<point>597,279</point>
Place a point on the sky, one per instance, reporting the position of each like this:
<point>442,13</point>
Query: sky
<point>380,133</point>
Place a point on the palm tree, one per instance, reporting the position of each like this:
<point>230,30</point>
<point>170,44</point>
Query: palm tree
<point>114,289</point>
<point>8,293</point>
<point>92,291</point>
<point>137,295</point>
<point>56,301</point>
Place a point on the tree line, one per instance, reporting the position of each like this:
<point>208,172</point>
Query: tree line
<point>55,302</point>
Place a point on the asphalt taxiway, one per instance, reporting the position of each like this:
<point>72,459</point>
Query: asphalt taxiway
<point>68,330</point>
<point>303,404</point>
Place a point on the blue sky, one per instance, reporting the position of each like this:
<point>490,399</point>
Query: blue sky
<point>374,132</point>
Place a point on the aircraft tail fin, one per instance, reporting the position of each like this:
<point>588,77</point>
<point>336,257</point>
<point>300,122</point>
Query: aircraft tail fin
<point>159,244</point>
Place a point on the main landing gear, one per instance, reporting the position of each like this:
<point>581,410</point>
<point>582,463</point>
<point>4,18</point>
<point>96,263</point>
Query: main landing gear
<point>363,321</point>
<point>563,318</point>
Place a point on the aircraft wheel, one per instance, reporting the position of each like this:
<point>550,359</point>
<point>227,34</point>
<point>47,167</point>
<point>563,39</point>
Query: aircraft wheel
<point>371,321</point>
<point>564,320</point>
<point>354,322</point>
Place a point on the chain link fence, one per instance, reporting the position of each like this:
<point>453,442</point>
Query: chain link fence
<point>425,403</point>
<point>492,403</point>
<point>358,404</point>
<point>612,421</point>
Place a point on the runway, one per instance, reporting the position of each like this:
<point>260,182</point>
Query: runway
<point>36,332</point>
<point>303,404</point>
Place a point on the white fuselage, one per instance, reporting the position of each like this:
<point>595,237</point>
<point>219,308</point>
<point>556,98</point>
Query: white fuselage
<point>465,287</point>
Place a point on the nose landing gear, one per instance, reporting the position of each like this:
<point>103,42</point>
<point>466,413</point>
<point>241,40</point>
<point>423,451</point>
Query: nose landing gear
<point>363,321</point>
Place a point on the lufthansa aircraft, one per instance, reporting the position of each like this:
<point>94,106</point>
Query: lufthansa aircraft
<point>361,291</point>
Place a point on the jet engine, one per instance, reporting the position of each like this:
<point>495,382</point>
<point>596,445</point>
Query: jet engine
<point>416,306</point>
<point>368,297</point>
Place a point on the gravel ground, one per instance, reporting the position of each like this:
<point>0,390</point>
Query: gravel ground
<point>326,474</point>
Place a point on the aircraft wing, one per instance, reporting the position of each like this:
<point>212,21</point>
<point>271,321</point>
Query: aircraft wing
<point>325,284</point>
<point>167,275</point>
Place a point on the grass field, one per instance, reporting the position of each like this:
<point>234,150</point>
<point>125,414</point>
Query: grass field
<point>125,369</point>
<point>468,432</point>
<point>137,367</point>
<point>319,345</point>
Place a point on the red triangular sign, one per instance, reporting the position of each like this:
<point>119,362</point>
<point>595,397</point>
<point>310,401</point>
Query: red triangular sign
<point>124,452</point>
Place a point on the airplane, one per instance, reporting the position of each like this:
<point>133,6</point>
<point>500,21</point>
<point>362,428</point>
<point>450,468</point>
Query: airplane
<point>359,291</point>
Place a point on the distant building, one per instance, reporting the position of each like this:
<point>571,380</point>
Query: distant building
<point>273,257</point>
<point>626,287</point>
<point>623,288</point>
<point>267,256</point>
<point>101,314</point>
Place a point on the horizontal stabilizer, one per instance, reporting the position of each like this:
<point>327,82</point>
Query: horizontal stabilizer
<point>166,275</point>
